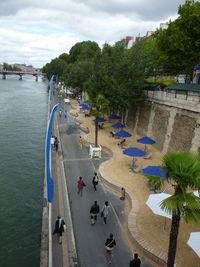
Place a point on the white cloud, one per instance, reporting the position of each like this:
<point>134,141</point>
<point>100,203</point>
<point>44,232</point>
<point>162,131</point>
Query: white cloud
<point>34,32</point>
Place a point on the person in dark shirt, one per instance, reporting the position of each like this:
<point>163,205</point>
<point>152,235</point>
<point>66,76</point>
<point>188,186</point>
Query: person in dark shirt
<point>109,245</point>
<point>136,262</point>
<point>59,228</point>
<point>94,211</point>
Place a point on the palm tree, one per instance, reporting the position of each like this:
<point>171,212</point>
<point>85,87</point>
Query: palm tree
<point>100,107</point>
<point>183,172</point>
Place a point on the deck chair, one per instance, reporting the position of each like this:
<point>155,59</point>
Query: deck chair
<point>148,156</point>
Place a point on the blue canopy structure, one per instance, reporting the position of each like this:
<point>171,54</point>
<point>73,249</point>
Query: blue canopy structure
<point>146,140</point>
<point>118,125</point>
<point>134,152</point>
<point>99,120</point>
<point>123,133</point>
<point>114,117</point>
<point>155,171</point>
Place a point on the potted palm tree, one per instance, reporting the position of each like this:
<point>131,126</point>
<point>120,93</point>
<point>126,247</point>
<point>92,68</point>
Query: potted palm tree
<point>100,107</point>
<point>183,172</point>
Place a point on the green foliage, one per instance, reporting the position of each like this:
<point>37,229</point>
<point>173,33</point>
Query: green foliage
<point>179,45</point>
<point>155,181</point>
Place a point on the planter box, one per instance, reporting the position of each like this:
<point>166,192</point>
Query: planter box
<point>95,152</point>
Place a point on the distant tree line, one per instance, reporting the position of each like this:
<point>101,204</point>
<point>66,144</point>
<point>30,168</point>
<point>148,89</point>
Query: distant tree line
<point>9,67</point>
<point>118,73</point>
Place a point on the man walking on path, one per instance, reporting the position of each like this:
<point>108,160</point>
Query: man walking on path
<point>136,262</point>
<point>56,142</point>
<point>80,185</point>
<point>59,228</point>
<point>94,211</point>
<point>109,245</point>
<point>105,211</point>
<point>95,181</point>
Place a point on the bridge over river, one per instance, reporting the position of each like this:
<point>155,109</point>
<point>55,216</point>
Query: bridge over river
<point>4,73</point>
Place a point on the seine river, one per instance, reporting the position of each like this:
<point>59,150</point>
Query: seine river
<point>23,115</point>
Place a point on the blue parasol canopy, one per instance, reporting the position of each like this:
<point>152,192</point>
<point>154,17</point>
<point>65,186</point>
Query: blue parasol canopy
<point>99,120</point>
<point>87,102</point>
<point>146,140</point>
<point>123,133</point>
<point>134,152</point>
<point>84,107</point>
<point>114,117</point>
<point>155,170</point>
<point>118,125</point>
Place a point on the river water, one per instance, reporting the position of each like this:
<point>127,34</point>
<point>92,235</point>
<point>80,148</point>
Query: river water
<point>23,118</point>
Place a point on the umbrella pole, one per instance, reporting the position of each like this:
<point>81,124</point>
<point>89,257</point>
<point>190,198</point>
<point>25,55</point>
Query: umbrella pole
<point>145,149</point>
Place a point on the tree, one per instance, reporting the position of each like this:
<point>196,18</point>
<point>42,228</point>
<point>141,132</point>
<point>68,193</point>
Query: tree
<point>183,172</point>
<point>179,43</point>
<point>100,107</point>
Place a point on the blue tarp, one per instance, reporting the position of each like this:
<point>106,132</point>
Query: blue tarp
<point>134,152</point>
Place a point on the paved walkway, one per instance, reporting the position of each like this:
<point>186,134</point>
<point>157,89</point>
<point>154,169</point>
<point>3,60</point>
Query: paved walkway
<point>89,239</point>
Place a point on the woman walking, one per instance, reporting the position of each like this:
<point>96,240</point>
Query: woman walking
<point>80,185</point>
<point>109,245</point>
<point>105,211</point>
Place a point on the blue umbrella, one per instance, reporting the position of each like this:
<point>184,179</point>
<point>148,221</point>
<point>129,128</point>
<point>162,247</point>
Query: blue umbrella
<point>118,125</point>
<point>87,102</point>
<point>123,133</point>
<point>99,120</point>
<point>146,140</point>
<point>134,152</point>
<point>84,107</point>
<point>155,170</point>
<point>114,117</point>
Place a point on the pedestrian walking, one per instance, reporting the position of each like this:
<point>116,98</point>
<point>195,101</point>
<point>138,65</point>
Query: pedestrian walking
<point>95,181</point>
<point>123,194</point>
<point>59,228</point>
<point>105,211</point>
<point>80,185</point>
<point>56,142</point>
<point>94,212</point>
<point>81,142</point>
<point>109,245</point>
<point>135,262</point>
<point>52,141</point>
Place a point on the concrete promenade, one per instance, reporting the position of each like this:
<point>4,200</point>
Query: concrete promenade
<point>68,164</point>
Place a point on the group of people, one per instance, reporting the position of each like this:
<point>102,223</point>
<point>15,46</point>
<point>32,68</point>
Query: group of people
<point>110,242</point>
<point>54,143</point>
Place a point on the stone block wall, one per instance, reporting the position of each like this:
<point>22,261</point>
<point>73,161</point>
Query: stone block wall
<point>183,132</point>
<point>160,124</point>
<point>143,118</point>
<point>132,117</point>
<point>172,127</point>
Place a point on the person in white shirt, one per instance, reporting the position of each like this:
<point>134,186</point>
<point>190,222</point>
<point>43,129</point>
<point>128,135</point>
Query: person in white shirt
<point>52,141</point>
<point>105,211</point>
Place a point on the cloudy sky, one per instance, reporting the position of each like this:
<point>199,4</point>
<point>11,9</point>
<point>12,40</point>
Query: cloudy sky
<point>36,31</point>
